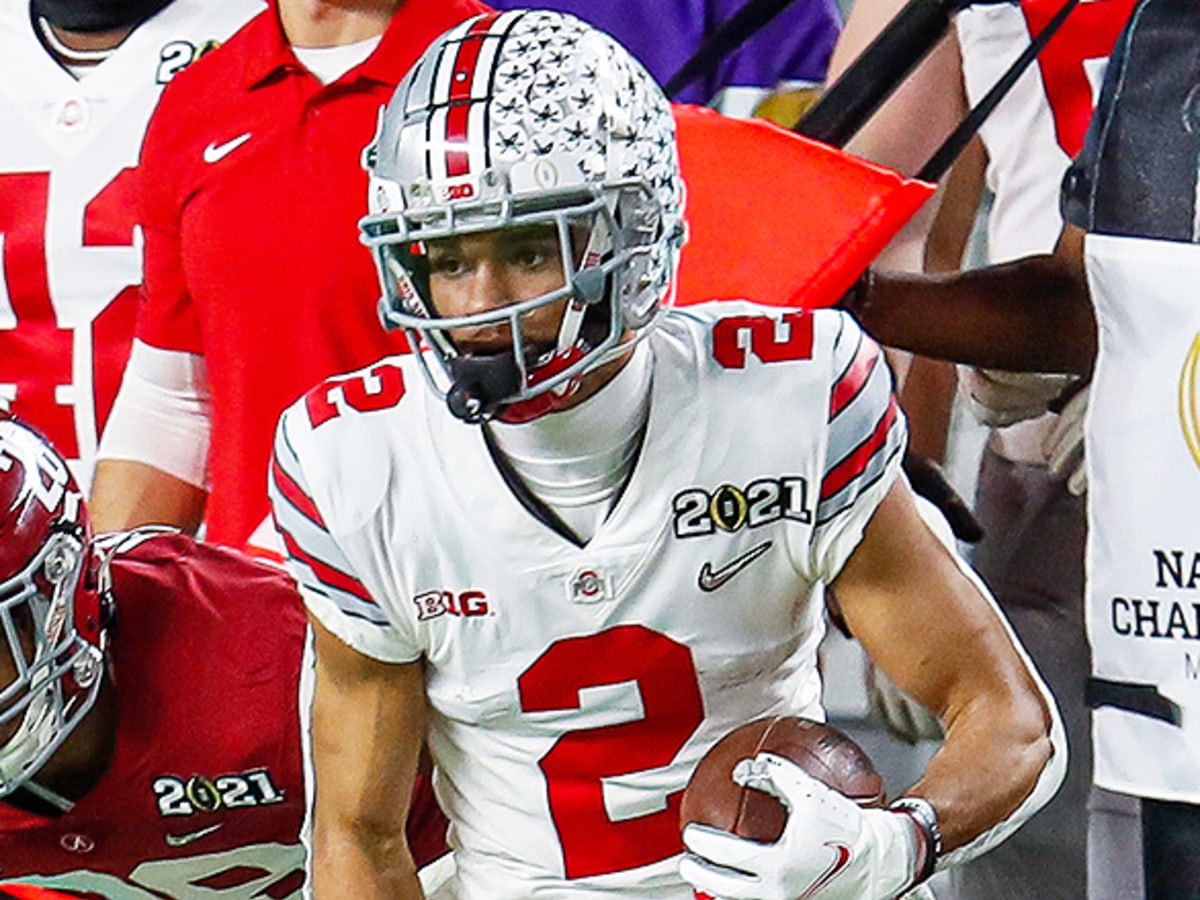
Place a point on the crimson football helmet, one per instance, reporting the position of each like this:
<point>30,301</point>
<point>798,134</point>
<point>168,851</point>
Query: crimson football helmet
<point>51,618</point>
<point>527,117</point>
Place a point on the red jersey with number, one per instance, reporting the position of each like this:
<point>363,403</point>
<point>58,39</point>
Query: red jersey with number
<point>573,688</point>
<point>252,193</point>
<point>205,784</point>
<point>71,253</point>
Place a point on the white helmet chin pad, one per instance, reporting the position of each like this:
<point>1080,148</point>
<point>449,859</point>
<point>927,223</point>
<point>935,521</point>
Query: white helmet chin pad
<point>517,119</point>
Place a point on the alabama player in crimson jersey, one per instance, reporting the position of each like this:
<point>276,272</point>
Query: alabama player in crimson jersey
<point>149,735</point>
<point>592,548</point>
<point>78,81</point>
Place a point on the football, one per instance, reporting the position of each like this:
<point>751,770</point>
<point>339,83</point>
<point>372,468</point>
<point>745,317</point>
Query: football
<point>713,798</point>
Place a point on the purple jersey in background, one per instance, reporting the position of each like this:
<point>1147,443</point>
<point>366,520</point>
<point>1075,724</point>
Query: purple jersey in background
<point>793,47</point>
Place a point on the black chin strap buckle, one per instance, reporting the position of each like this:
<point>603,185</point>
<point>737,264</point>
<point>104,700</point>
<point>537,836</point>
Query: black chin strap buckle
<point>482,385</point>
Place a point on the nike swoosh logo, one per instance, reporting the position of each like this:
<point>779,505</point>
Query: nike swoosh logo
<point>710,579</point>
<point>215,152</point>
<point>181,840</point>
<point>841,859</point>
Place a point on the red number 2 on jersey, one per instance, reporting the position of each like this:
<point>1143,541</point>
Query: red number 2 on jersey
<point>381,388</point>
<point>36,355</point>
<point>1088,34</point>
<point>592,843</point>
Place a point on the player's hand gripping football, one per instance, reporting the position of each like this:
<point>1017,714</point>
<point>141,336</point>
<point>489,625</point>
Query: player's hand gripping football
<point>830,849</point>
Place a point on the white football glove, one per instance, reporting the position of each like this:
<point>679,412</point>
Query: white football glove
<point>999,398</point>
<point>831,848</point>
<point>1063,446</point>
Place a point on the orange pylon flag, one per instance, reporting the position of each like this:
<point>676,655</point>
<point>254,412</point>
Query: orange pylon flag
<point>778,218</point>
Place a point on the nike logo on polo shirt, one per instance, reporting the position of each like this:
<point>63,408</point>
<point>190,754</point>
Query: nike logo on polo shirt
<point>710,579</point>
<point>182,840</point>
<point>215,152</point>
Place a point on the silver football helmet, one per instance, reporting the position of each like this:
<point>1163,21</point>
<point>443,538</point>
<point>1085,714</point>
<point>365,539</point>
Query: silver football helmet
<point>515,119</point>
<point>51,622</point>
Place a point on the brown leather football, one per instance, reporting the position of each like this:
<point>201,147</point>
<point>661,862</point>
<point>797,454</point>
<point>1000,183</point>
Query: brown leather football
<point>713,798</point>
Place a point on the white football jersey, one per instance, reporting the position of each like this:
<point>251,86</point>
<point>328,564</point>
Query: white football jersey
<point>574,688</point>
<point>70,249</point>
<point>1033,133</point>
<point>1038,127</point>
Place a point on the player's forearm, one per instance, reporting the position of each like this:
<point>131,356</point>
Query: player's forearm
<point>126,494</point>
<point>994,753</point>
<point>1031,315</point>
<point>363,863</point>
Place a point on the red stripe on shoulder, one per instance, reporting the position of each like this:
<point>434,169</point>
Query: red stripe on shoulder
<point>327,573</point>
<point>301,501</point>
<point>856,463</point>
<point>847,387</point>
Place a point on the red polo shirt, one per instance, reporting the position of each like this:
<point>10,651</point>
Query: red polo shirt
<point>251,190</point>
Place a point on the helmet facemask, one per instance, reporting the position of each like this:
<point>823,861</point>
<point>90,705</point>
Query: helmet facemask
<point>604,241</point>
<point>56,673</point>
<point>52,618</point>
<point>526,119</point>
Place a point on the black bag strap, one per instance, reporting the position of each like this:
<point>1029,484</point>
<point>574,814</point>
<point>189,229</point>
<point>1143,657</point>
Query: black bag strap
<point>1142,699</point>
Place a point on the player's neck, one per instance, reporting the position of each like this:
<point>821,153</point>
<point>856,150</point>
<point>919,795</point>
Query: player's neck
<point>334,23</point>
<point>575,461</point>
<point>81,49</point>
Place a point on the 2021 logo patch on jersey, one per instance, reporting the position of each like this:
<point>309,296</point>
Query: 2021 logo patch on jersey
<point>175,56</point>
<point>177,796</point>
<point>699,512</point>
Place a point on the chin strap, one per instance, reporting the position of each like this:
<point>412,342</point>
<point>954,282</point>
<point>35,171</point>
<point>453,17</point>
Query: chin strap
<point>58,801</point>
<point>483,385</point>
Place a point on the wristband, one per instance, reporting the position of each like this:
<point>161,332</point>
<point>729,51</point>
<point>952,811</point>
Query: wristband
<point>857,297</point>
<point>921,811</point>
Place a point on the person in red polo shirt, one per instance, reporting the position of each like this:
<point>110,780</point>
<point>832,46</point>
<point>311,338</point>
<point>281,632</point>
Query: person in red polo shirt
<point>256,285</point>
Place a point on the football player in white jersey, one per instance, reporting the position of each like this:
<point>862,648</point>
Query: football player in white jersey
<point>591,549</point>
<point>78,81</point>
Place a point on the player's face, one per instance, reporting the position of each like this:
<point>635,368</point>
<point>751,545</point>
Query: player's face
<point>477,273</point>
<point>23,629</point>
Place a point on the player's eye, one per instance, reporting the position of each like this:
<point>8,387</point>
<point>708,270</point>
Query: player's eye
<point>446,264</point>
<point>534,255</point>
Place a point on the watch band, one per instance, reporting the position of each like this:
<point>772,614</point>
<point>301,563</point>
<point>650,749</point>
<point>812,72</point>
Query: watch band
<point>921,811</point>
